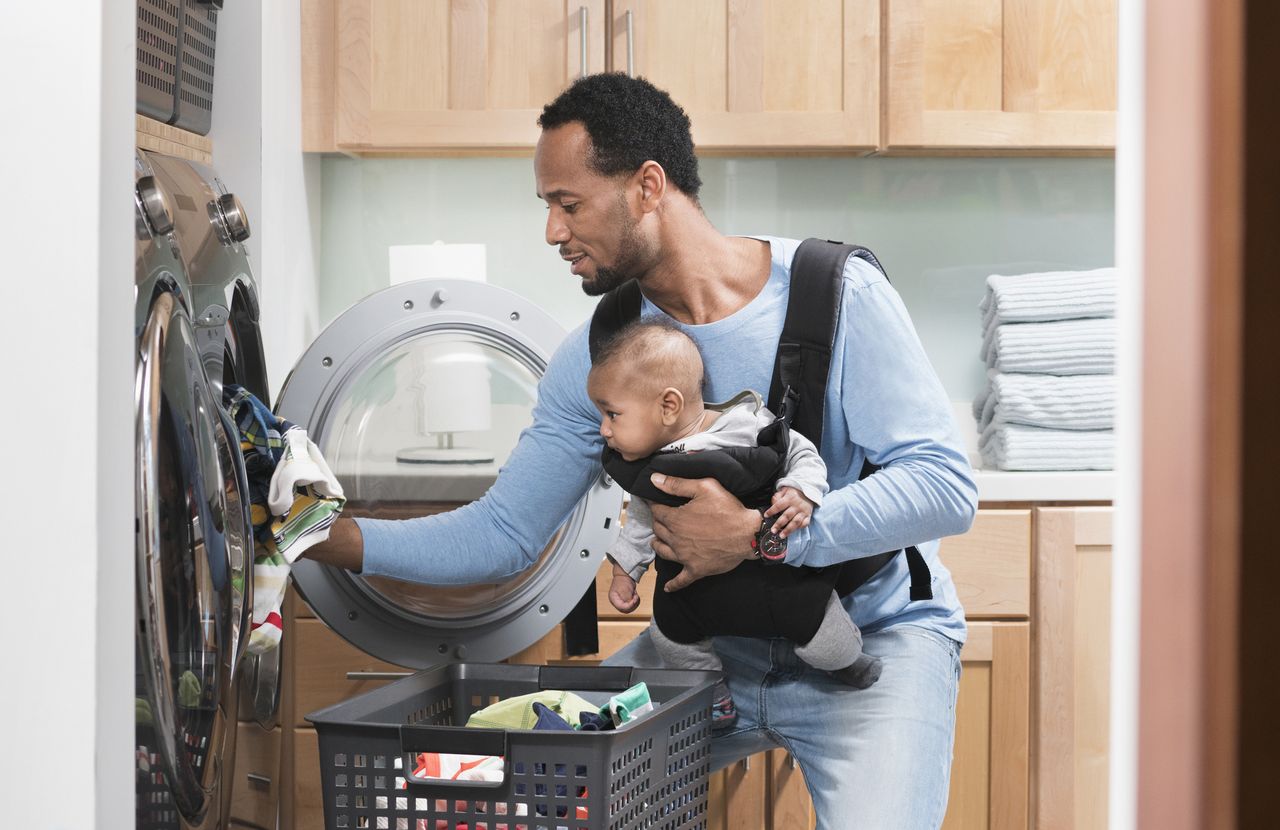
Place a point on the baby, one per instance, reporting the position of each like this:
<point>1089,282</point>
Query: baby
<point>647,384</point>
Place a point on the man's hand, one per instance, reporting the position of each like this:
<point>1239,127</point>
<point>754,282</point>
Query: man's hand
<point>622,591</point>
<point>709,535</point>
<point>792,509</point>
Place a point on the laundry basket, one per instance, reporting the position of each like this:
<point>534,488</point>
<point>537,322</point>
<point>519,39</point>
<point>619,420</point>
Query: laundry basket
<point>649,773</point>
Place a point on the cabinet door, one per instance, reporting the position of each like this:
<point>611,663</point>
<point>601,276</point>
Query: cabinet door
<point>760,74</point>
<point>1001,74</point>
<point>442,74</point>
<point>1072,659</point>
<point>989,769</point>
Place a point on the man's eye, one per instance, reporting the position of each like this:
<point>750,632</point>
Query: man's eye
<point>570,208</point>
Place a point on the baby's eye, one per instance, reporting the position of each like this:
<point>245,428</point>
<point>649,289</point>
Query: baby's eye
<point>612,415</point>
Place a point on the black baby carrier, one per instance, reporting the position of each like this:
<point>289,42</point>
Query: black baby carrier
<point>797,394</point>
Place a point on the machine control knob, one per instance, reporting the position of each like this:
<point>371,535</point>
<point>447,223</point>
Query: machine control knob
<point>234,218</point>
<point>155,205</point>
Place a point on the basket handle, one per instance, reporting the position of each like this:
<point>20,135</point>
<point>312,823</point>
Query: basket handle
<point>585,678</point>
<point>452,740</point>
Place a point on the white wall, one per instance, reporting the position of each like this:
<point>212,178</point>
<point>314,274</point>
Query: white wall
<point>257,150</point>
<point>66,225</point>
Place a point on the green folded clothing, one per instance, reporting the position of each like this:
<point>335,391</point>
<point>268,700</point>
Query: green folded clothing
<point>627,706</point>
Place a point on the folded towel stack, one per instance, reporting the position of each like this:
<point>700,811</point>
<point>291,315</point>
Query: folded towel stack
<point>1049,343</point>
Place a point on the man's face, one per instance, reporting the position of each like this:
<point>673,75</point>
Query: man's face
<point>590,218</point>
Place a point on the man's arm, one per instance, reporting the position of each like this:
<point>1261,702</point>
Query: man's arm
<point>504,532</point>
<point>343,549</point>
<point>897,415</point>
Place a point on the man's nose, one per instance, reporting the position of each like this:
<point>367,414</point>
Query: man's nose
<point>557,231</point>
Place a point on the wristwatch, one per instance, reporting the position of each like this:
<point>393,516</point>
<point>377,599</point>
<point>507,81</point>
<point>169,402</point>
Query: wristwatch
<point>768,545</point>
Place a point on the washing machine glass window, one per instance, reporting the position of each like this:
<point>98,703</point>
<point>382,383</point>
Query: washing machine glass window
<point>423,429</point>
<point>417,396</point>
<point>190,558</point>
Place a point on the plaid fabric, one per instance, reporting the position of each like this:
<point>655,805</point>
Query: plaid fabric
<point>279,540</point>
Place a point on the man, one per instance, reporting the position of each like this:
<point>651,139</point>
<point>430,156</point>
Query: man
<point>616,168</point>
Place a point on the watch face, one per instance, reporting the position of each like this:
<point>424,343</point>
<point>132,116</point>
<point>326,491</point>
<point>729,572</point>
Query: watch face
<point>772,546</point>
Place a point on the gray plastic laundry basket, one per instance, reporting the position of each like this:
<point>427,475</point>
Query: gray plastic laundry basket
<point>650,773</point>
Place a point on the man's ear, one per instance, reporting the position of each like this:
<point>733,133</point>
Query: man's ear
<point>652,180</point>
<point>672,405</point>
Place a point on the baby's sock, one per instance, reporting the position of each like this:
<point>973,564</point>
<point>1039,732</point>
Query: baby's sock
<point>837,648</point>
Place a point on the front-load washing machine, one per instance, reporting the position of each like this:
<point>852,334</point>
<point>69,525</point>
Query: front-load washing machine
<point>212,226</point>
<point>416,396</point>
<point>193,543</point>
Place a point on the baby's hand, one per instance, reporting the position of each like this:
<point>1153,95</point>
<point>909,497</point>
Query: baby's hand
<point>792,509</point>
<point>622,592</point>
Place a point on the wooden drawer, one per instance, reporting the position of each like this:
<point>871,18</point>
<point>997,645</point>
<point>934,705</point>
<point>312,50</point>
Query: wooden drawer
<point>991,565</point>
<point>320,662</point>
<point>255,789</point>
<point>308,796</point>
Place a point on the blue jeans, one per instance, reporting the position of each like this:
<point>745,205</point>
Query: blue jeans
<point>872,759</point>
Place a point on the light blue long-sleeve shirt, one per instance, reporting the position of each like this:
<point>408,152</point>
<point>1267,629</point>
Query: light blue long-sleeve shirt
<point>884,402</point>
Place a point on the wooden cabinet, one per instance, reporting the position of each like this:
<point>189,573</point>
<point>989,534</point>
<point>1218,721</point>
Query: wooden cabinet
<point>1071,651</point>
<point>760,74</point>
<point>1000,74</point>
<point>405,75</point>
<point>255,789</point>
<point>1031,716</point>
<point>754,75</point>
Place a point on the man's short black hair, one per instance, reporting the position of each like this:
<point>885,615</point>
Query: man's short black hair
<point>630,121</point>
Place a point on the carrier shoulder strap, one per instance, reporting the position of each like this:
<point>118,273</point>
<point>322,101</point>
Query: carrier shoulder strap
<point>615,309</point>
<point>798,390</point>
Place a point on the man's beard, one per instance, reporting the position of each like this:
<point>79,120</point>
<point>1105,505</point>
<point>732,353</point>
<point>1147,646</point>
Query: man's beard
<point>627,264</point>
<point>605,280</point>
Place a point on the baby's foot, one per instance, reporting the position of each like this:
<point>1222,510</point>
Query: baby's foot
<point>862,674</point>
<point>723,713</point>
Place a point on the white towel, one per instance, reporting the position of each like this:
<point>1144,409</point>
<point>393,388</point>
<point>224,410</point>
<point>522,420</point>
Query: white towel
<point>1053,295</point>
<point>1017,447</point>
<point>1078,402</point>
<point>1064,347</point>
<point>300,464</point>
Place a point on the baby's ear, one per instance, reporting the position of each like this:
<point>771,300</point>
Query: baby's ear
<point>672,405</point>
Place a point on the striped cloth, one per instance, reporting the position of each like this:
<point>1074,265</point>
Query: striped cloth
<point>1020,447</point>
<point>294,500</point>
<point>1053,295</point>
<point>1079,402</point>
<point>1061,347</point>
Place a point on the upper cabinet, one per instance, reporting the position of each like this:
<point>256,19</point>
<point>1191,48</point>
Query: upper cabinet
<point>1001,74</point>
<point>406,75</point>
<point>760,74</point>
<point>849,76</point>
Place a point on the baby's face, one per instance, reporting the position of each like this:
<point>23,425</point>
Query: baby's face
<point>630,414</point>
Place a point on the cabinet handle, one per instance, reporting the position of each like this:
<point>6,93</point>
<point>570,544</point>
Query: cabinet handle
<point>746,764</point>
<point>377,675</point>
<point>582,26</point>
<point>631,42</point>
<point>255,778</point>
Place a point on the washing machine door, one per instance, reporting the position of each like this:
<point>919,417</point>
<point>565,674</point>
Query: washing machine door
<point>416,396</point>
<point>192,569</point>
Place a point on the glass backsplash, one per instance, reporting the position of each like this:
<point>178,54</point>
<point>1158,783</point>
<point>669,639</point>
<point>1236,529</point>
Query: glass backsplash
<point>939,226</point>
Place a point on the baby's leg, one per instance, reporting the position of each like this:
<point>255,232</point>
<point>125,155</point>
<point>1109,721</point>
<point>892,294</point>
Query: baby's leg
<point>699,656</point>
<point>837,647</point>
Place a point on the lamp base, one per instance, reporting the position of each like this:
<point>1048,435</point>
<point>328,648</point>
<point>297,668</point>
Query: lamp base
<point>443,455</point>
